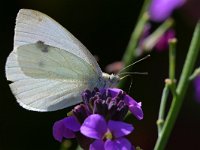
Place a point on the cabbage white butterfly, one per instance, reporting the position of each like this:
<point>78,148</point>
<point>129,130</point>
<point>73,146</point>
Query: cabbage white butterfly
<point>49,68</point>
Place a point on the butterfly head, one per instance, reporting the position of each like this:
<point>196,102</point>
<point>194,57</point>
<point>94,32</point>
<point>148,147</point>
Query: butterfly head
<point>111,80</point>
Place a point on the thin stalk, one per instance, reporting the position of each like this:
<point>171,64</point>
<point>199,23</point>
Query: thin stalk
<point>161,115</point>
<point>172,58</point>
<point>130,52</point>
<point>172,64</point>
<point>195,74</point>
<point>181,90</point>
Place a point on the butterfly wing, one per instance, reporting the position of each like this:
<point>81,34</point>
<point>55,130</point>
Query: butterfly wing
<point>48,78</point>
<point>32,26</point>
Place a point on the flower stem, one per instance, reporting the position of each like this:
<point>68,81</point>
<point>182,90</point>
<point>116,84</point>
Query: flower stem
<point>169,84</point>
<point>195,73</point>
<point>172,64</point>
<point>161,115</point>
<point>181,90</point>
<point>172,58</point>
<point>130,53</point>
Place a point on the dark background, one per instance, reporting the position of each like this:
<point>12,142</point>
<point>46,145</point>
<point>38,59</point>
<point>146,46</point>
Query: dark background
<point>104,27</point>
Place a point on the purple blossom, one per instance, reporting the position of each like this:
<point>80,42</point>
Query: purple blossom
<point>197,88</point>
<point>65,128</point>
<point>108,135</point>
<point>162,43</point>
<point>161,9</point>
<point>134,107</point>
<point>102,110</point>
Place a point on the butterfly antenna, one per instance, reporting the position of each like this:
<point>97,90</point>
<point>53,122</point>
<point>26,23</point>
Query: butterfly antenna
<point>134,63</point>
<point>124,76</point>
<point>133,73</point>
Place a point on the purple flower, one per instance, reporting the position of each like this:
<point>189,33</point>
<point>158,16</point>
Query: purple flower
<point>65,128</point>
<point>162,43</point>
<point>134,107</point>
<point>108,135</point>
<point>161,9</point>
<point>197,88</point>
<point>104,110</point>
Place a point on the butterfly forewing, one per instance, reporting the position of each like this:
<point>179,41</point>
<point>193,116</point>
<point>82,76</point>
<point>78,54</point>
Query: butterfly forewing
<point>32,26</point>
<point>49,67</point>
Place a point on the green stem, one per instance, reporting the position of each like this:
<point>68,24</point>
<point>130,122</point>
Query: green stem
<point>130,53</point>
<point>161,115</point>
<point>195,74</point>
<point>181,90</point>
<point>172,58</point>
<point>172,63</point>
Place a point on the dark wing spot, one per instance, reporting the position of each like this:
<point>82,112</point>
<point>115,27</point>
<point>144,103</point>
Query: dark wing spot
<point>41,64</point>
<point>43,47</point>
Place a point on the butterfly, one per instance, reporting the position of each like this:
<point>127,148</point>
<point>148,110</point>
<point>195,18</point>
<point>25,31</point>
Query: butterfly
<point>48,67</point>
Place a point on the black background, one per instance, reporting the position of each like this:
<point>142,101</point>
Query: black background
<point>104,27</point>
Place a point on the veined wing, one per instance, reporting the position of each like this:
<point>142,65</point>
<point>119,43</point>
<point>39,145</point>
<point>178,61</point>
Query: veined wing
<point>47,78</point>
<point>46,95</point>
<point>33,26</point>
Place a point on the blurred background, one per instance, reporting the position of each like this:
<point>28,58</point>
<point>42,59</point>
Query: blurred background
<point>104,27</point>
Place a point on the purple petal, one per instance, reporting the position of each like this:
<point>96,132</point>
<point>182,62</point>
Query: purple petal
<point>162,44</point>
<point>72,123</point>
<point>118,144</point>
<point>97,145</point>
<point>197,88</point>
<point>60,131</point>
<point>114,91</point>
<point>94,126</point>
<point>134,107</point>
<point>119,128</point>
<point>162,9</point>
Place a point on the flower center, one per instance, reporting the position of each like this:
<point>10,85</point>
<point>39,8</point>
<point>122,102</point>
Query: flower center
<point>108,135</point>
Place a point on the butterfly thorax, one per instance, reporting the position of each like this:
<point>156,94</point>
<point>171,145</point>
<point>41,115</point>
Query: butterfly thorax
<point>110,80</point>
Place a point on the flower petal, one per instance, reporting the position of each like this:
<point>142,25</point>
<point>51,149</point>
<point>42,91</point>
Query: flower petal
<point>134,107</point>
<point>114,91</point>
<point>162,9</point>
<point>119,128</point>
<point>94,126</point>
<point>118,144</point>
<point>60,131</point>
<point>72,123</point>
<point>97,145</point>
<point>162,43</point>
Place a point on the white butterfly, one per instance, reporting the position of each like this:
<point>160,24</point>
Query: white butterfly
<point>48,66</point>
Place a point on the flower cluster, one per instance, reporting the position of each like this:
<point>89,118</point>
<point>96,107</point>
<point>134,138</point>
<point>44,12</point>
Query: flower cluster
<point>98,122</point>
